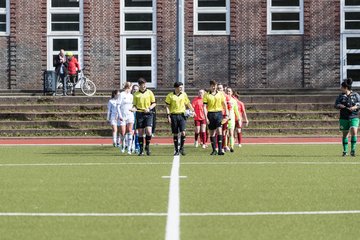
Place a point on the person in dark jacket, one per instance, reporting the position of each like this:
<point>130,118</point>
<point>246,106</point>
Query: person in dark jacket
<point>348,102</point>
<point>60,64</point>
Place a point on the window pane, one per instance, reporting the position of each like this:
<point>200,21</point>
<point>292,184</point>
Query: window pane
<point>353,43</point>
<point>352,16</point>
<point>65,22</point>
<point>2,27</point>
<point>138,60</point>
<point>138,22</point>
<point>285,3</point>
<point>65,17</point>
<point>212,27</point>
<point>133,76</point>
<point>2,18</point>
<point>352,2</point>
<point>65,3</point>
<point>285,16</point>
<point>354,74</point>
<point>138,3</point>
<point>285,26</point>
<point>2,3</point>
<point>211,3</point>
<point>138,44</point>
<point>352,25</point>
<point>212,17</point>
<point>67,44</point>
<point>138,17</point>
<point>353,59</point>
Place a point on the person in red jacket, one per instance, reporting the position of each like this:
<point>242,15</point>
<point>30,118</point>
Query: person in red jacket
<point>73,69</point>
<point>199,119</point>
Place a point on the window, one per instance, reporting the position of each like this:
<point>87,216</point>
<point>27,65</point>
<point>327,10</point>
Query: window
<point>138,36</point>
<point>350,16</point>
<point>212,17</point>
<point>4,17</point>
<point>285,17</point>
<point>64,28</point>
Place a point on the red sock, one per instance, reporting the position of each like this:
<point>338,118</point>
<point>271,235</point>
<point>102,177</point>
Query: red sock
<point>196,136</point>
<point>203,137</point>
<point>239,137</point>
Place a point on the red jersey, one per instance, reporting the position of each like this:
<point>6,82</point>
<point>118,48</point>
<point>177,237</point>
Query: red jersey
<point>73,66</point>
<point>241,107</point>
<point>228,104</point>
<point>198,106</point>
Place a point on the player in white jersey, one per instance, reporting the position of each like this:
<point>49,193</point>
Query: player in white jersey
<point>112,115</point>
<point>126,116</point>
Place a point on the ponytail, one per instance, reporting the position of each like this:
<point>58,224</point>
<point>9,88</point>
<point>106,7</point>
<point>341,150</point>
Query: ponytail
<point>347,83</point>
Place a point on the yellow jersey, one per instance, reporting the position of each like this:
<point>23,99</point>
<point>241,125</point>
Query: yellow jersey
<point>215,101</point>
<point>177,103</point>
<point>143,100</point>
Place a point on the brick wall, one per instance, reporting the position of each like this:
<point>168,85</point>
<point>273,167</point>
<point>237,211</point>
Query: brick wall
<point>322,43</point>
<point>166,43</point>
<point>4,62</point>
<point>28,60</point>
<point>102,42</point>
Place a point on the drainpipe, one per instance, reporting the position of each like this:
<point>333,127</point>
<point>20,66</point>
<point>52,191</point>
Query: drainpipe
<point>180,38</point>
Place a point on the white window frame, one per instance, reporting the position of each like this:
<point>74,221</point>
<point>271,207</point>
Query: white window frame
<point>6,11</point>
<point>62,10</point>
<point>51,53</point>
<point>345,9</point>
<point>277,9</point>
<point>138,34</point>
<point>223,10</point>
<point>51,35</point>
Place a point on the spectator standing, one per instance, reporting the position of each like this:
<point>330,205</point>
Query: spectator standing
<point>61,69</point>
<point>73,69</point>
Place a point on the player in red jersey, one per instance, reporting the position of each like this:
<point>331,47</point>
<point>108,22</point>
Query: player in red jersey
<point>242,110</point>
<point>199,119</point>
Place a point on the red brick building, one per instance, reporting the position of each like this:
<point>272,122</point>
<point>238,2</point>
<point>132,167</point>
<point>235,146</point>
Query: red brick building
<point>242,43</point>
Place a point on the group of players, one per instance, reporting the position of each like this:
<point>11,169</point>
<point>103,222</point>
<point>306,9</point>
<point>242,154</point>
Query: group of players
<point>218,114</point>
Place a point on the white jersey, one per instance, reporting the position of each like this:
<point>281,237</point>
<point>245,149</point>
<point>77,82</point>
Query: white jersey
<point>125,105</point>
<point>112,107</point>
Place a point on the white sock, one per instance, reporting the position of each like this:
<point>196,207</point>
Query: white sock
<point>129,140</point>
<point>114,137</point>
<point>123,141</point>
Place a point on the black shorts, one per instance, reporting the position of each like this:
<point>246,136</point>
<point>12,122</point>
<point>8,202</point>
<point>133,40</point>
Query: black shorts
<point>215,119</point>
<point>144,120</point>
<point>178,123</point>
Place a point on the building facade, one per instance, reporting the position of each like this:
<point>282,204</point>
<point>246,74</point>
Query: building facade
<point>242,43</point>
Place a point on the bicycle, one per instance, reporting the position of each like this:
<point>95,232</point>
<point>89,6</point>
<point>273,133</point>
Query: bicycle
<point>87,86</point>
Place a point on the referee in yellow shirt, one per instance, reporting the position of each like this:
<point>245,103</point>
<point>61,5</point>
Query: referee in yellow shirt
<point>176,103</point>
<point>214,103</point>
<point>144,103</point>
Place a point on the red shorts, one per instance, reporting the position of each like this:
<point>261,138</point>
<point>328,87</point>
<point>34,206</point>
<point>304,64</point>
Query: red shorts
<point>237,125</point>
<point>198,123</point>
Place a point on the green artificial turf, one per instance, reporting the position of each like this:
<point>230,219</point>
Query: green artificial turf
<point>256,178</point>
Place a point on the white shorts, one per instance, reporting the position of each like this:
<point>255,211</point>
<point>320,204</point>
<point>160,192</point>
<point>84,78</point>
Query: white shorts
<point>114,122</point>
<point>127,119</point>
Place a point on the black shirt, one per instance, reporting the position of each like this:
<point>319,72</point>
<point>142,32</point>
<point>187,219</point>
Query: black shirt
<point>353,99</point>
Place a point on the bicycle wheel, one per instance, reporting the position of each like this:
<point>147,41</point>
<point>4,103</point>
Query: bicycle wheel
<point>88,87</point>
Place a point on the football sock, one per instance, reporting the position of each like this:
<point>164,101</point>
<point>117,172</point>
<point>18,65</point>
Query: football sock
<point>182,141</point>
<point>141,143</point>
<point>213,144</point>
<point>129,140</point>
<point>148,139</point>
<point>114,137</point>
<point>197,136</point>
<point>219,140</point>
<point>231,142</point>
<point>353,143</point>
<point>345,143</point>
<point>239,137</point>
<point>203,137</point>
<point>176,143</point>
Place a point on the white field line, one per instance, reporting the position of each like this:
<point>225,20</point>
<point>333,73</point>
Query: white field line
<point>173,215</point>
<point>20,214</point>
<point>169,163</point>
